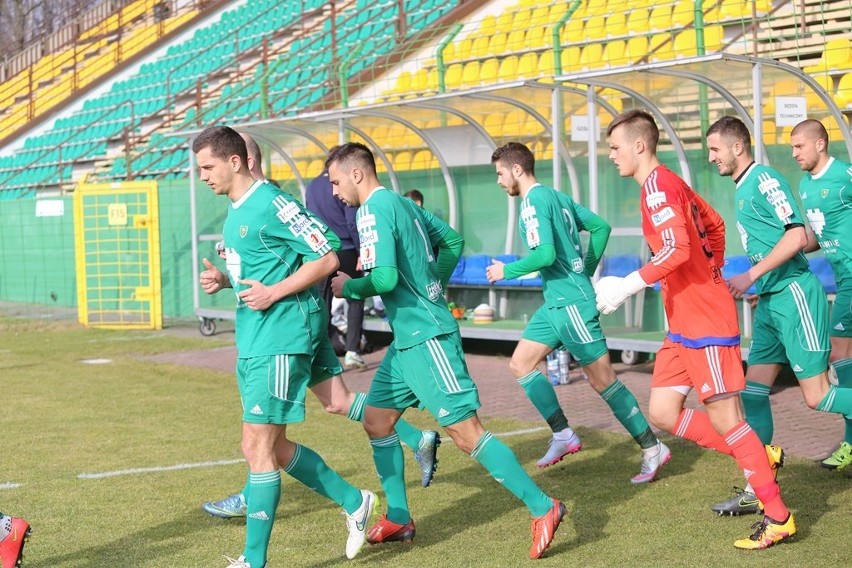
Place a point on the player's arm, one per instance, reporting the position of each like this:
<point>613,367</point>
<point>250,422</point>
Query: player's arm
<point>378,256</point>
<point>539,240</point>
<point>450,247</point>
<point>812,244</point>
<point>599,231</point>
<point>777,204</point>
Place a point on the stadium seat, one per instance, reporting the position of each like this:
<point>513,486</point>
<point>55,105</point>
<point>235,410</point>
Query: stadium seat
<point>614,53</point>
<point>683,14</point>
<point>545,64</point>
<point>527,66</point>
<point>573,31</point>
<point>508,70</point>
<point>474,269</point>
<point>570,59</point>
<point>488,71</point>
<point>836,56</point>
<point>825,81</point>
<point>507,259</point>
<point>636,49</point>
<point>843,97</point>
<point>820,266</point>
<point>616,24</point>
<point>457,277</point>
<point>660,19</point>
<point>497,43</point>
<point>470,74</point>
<point>637,21</point>
<point>620,265</point>
<point>516,41</point>
<point>596,28</point>
<point>591,56</point>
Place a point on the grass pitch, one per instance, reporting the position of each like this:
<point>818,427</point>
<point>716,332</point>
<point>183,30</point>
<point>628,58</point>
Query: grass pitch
<point>62,418</point>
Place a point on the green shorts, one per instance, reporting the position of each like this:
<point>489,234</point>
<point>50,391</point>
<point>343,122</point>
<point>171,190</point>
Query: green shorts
<point>577,327</point>
<point>325,363</point>
<point>272,388</point>
<point>791,326</point>
<point>841,313</point>
<point>432,375</point>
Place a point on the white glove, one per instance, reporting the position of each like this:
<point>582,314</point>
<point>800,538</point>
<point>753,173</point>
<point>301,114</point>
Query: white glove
<point>612,291</point>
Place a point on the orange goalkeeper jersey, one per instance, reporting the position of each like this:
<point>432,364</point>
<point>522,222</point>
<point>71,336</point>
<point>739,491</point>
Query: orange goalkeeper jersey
<point>687,239</point>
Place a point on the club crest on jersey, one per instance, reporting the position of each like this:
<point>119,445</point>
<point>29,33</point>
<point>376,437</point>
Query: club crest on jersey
<point>577,265</point>
<point>824,193</point>
<point>741,203</point>
<point>243,231</point>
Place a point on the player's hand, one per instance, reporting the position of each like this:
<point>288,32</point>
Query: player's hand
<point>212,279</point>
<point>612,291</point>
<point>337,283</point>
<point>496,271</point>
<point>739,284</point>
<point>258,296</point>
<point>358,264</point>
<point>751,299</point>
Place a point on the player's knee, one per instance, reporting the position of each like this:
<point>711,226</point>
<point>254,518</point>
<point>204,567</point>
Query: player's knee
<point>519,367</point>
<point>662,418</point>
<point>335,407</point>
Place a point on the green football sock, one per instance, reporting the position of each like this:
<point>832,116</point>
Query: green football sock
<point>309,469</point>
<point>409,435</point>
<point>246,489</point>
<point>758,412</point>
<point>837,400</point>
<point>390,465</point>
<point>501,463</point>
<point>625,407</point>
<point>260,516</point>
<point>844,380</point>
<point>541,394</point>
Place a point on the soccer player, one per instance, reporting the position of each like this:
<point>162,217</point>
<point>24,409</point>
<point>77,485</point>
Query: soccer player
<point>328,386</point>
<point>425,364</point>
<point>702,348</point>
<point>276,252</point>
<point>14,533</point>
<point>551,223</point>
<point>791,318</point>
<point>826,192</point>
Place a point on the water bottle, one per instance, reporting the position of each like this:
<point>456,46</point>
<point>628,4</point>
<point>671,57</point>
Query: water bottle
<point>553,368</point>
<point>564,366</point>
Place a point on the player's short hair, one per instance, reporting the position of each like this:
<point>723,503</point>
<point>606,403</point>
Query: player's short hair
<point>637,123</point>
<point>252,148</point>
<point>812,128</point>
<point>731,128</point>
<point>515,153</point>
<point>414,195</point>
<point>350,155</point>
<point>223,142</point>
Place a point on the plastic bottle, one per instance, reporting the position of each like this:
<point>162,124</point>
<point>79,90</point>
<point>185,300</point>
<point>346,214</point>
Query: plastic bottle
<point>564,366</point>
<point>553,367</point>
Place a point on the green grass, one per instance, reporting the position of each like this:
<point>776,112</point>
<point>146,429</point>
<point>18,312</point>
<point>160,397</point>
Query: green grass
<point>61,418</point>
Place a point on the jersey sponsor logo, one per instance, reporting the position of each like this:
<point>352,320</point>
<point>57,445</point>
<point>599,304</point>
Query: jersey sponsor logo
<point>784,211</point>
<point>316,240</point>
<point>243,231</point>
<point>300,224</point>
<point>286,209</point>
<point>662,216</point>
<point>368,237</point>
<point>577,265</point>
<point>256,410</point>
<point>533,238</point>
<point>434,290</point>
<point>366,221</point>
<point>776,197</point>
<point>816,218</point>
<point>767,183</point>
<point>655,199</point>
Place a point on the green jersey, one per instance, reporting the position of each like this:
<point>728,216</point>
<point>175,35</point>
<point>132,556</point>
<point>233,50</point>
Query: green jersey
<point>827,199</point>
<point>550,217</point>
<point>765,206</point>
<point>396,233</point>
<point>268,235</point>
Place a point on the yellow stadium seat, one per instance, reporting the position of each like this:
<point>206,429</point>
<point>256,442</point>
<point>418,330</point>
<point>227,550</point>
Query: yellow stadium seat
<point>516,41</point>
<point>557,10</point>
<point>462,48</point>
<point>595,28</point>
<point>453,76</point>
<point>614,53</point>
<point>449,53</point>
<point>508,70</point>
<point>739,10</point>
<point>403,82</point>
<point>521,19</point>
<point>573,31</point>
<point>497,43</point>
<point>420,81</point>
<point>514,123</point>
<point>545,64</point>
<point>827,83</point>
<point>470,74</point>
<point>660,18</point>
<point>402,161</point>
<point>714,38</point>
<point>493,124</point>
<point>683,14</point>
<point>637,21</point>
<point>488,25</point>
<point>660,47</point>
<point>844,91</point>
<point>836,55</point>
<point>314,168</point>
<point>570,58</point>
<point>488,71</point>
<point>538,37</point>
<point>528,65</point>
<point>504,20</point>
<point>421,160</point>
<point>684,44</point>
<point>636,48</point>
<point>616,25</point>
<point>479,48</point>
<point>590,57</point>
<point>540,17</point>
<point>770,132</point>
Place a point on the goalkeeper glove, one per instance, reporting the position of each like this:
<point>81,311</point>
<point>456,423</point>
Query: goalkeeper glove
<point>617,290</point>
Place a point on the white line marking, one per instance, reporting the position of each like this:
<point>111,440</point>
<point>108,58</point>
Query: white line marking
<point>9,485</point>
<point>520,432</point>
<point>161,469</point>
